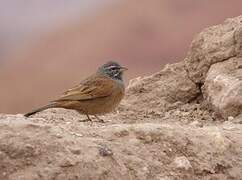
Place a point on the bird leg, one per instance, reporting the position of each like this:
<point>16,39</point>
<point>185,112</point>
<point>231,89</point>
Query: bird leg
<point>87,119</point>
<point>99,119</point>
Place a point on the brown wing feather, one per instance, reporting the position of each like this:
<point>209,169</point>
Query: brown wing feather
<point>93,87</point>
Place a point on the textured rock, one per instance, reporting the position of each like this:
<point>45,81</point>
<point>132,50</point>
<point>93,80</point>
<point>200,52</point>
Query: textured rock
<point>182,163</point>
<point>31,149</point>
<point>223,87</point>
<point>214,44</point>
<point>169,85</point>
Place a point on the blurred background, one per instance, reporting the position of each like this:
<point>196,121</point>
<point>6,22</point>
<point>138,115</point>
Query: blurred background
<point>49,46</point>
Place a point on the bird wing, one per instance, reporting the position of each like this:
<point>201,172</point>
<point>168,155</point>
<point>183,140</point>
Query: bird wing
<point>93,87</point>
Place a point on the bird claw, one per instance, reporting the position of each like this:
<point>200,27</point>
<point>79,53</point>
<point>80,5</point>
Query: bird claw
<point>84,120</point>
<point>99,119</point>
<point>89,119</point>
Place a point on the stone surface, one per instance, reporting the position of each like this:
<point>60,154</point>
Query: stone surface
<point>223,87</point>
<point>157,91</point>
<point>182,163</point>
<point>214,44</point>
<point>31,149</point>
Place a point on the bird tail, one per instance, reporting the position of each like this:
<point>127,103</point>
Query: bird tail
<point>52,105</point>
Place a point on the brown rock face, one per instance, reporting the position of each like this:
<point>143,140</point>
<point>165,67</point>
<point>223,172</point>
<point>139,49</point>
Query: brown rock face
<point>170,85</point>
<point>223,87</point>
<point>214,44</point>
<point>214,58</point>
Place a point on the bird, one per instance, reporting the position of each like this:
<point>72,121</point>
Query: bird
<point>98,94</point>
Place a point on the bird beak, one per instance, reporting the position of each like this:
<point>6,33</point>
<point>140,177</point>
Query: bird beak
<point>122,69</point>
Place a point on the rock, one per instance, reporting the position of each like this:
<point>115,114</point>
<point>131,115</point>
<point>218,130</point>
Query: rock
<point>196,124</point>
<point>214,44</point>
<point>145,91</point>
<point>230,118</point>
<point>104,150</point>
<point>76,151</point>
<point>228,125</point>
<point>67,162</point>
<point>182,163</point>
<point>223,87</point>
<point>220,142</point>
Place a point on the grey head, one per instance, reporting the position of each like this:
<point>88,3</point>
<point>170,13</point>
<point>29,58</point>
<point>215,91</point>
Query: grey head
<point>113,70</point>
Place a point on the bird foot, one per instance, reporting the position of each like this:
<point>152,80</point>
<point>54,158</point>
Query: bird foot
<point>84,120</point>
<point>99,119</point>
<point>89,119</point>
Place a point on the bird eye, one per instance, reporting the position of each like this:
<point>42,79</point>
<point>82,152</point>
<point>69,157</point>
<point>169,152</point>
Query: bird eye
<point>112,68</point>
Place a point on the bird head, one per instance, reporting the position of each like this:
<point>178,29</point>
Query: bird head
<point>113,70</point>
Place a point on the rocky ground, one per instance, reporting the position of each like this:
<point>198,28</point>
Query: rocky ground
<point>184,122</point>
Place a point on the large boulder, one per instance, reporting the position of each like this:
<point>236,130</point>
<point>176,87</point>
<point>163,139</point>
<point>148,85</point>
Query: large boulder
<point>214,64</point>
<point>214,44</point>
<point>157,91</point>
<point>223,87</point>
